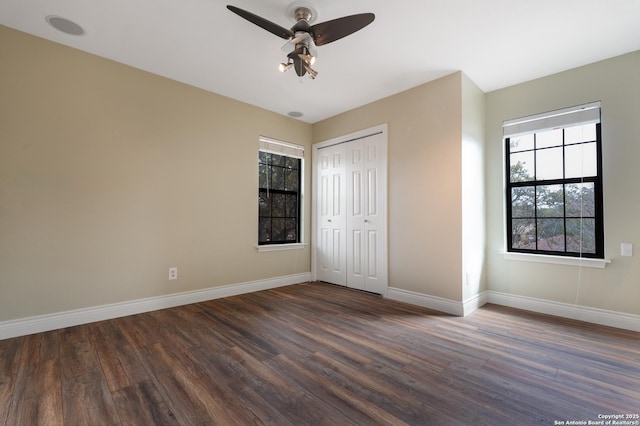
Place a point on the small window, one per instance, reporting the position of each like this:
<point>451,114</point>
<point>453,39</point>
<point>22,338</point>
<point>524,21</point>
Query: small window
<point>554,183</point>
<point>279,192</point>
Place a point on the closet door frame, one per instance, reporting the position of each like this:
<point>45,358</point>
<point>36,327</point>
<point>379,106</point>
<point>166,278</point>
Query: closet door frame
<point>380,129</point>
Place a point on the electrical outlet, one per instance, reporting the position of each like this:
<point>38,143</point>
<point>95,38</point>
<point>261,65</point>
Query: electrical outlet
<point>626,249</point>
<point>173,273</point>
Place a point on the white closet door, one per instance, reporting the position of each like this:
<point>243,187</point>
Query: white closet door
<point>366,214</point>
<point>331,215</point>
<point>351,206</point>
<point>356,214</point>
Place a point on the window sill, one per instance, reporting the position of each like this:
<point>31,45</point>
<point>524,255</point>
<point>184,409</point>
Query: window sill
<point>558,260</point>
<point>280,247</point>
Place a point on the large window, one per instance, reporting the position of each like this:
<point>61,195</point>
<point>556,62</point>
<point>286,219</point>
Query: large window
<point>554,183</point>
<point>279,193</point>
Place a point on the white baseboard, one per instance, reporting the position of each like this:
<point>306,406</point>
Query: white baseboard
<point>36,324</point>
<point>441,304</point>
<point>566,310</point>
<point>426,301</point>
<point>474,303</point>
<point>40,323</point>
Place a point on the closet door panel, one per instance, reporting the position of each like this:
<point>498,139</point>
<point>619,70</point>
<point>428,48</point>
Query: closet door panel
<point>331,247</point>
<point>356,245</point>
<point>375,205</point>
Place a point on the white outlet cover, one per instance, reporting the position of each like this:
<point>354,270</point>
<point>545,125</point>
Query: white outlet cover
<point>626,249</point>
<point>173,273</point>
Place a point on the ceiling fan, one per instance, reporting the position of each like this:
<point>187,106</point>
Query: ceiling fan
<point>304,37</point>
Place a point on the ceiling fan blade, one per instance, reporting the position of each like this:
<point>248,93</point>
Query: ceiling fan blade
<point>329,31</point>
<point>261,22</point>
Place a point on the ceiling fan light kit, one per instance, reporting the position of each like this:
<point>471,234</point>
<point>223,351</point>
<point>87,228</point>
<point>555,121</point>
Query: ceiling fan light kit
<point>303,37</point>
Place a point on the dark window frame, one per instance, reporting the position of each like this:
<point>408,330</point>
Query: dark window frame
<point>598,215</point>
<point>279,201</point>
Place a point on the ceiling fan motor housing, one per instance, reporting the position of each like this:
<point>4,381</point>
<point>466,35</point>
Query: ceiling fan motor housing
<point>303,13</point>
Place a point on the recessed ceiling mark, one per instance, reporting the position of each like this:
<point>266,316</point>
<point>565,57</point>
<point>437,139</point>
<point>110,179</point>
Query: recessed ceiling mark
<point>295,114</point>
<point>65,25</point>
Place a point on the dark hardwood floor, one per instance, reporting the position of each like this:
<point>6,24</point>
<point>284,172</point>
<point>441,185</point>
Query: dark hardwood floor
<point>317,354</point>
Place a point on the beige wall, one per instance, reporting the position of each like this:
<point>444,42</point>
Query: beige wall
<point>615,82</point>
<point>424,182</point>
<point>110,175</point>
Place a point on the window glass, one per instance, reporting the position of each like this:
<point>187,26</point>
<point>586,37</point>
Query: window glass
<point>549,138</point>
<point>550,234</point>
<point>549,164</point>
<point>291,179</point>
<point>581,160</point>
<point>521,167</point>
<point>576,134</point>
<point>554,184</point>
<point>581,235</point>
<point>279,199</point>
<point>521,143</point>
<point>523,234</point>
<point>264,232</point>
<point>277,176</point>
<point>580,199</point>
<point>523,202</point>
<point>550,201</point>
<point>277,204</point>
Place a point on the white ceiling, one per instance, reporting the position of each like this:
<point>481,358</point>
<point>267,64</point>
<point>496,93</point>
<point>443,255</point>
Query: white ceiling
<point>497,43</point>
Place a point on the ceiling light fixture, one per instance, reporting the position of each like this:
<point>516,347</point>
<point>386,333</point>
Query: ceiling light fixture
<point>302,58</point>
<point>65,25</point>
<point>304,37</point>
<point>312,73</point>
<point>285,66</point>
<point>309,59</point>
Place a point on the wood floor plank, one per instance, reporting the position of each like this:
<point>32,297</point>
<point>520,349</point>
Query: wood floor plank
<point>141,404</point>
<point>374,388</point>
<point>245,400</point>
<point>40,347</point>
<point>119,362</point>
<point>10,353</point>
<point>338,405</point>
<point>85,393</point>
<point>165,372</point>
<point>7,391</point>
<point>37,397</point>
<point>318,354</point>
<point>282,393</point>
<point>192,397</point>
